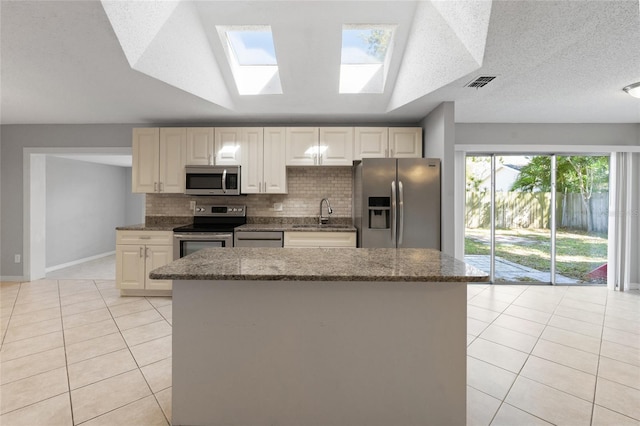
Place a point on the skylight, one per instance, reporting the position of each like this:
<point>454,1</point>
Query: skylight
<point>252,57</point>
<point>366,50</point>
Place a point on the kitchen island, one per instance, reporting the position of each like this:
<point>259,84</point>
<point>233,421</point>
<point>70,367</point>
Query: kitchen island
<point>319,337</point>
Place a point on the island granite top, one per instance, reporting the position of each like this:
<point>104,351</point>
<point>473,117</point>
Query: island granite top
<point>320,264</point>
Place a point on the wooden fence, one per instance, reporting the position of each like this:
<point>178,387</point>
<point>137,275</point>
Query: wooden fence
<point>533,210</point>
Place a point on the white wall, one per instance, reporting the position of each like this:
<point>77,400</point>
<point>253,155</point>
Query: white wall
<point>84,203</point>
<point>439,140</point>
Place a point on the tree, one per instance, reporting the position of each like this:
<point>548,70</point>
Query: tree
<point>574,174</point>
<point>377,42</point>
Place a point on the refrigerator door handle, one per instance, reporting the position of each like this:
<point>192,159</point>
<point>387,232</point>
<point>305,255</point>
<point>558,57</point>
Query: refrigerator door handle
<point>401,209</point>
<point>393,212</point>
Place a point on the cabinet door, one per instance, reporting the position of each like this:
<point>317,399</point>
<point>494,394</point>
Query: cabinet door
<point>227,146</point>
<point>251,145</point>
<point>130,274</point>
<point>173,154</point>
<point>146,159</point>
<point>157,256</point>
<point>200,146</point>
<point>405,142</point>
<point>336,146</point>
<point>312,239</point>
<point>302,146</point>
<point>371,142</point>
<point>275,167</point>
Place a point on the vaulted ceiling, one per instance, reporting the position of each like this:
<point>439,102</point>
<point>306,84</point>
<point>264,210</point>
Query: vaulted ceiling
<point>164,62</point>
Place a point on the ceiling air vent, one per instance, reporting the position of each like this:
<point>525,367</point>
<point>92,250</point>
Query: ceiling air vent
<point>481,81</point>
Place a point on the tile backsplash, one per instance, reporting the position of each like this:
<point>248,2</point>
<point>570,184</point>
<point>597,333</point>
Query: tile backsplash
<point>306,185</point>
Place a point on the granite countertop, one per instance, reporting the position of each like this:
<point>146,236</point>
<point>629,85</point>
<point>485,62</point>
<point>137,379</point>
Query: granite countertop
<point>288,227</point>
<point>145,227</point>
<point>158,223</point>
<point>320,264</point>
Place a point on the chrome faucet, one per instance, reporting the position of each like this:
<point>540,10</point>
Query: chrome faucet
<point>325,219</point>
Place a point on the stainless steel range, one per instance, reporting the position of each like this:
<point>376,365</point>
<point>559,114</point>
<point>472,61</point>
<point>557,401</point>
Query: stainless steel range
<point>212,227</point>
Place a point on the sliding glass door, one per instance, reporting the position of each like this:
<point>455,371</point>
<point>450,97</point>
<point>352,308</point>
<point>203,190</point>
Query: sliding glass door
<point>538,218</point>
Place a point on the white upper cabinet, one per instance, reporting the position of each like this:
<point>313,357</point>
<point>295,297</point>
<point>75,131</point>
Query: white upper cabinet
<point>263,161</point>
<point>319,146</point>
<point>173,154</point>
<point>275,167</point>
<point>145,170</point>
<point>371,142</point>
<point>251,169</point>
<point>405,142</point>
<point>227,146</point>
<point>159,157</point>
<point>394,142</point>
<point>336,146</point>
<point>200,146</point>
<point>302,146</point>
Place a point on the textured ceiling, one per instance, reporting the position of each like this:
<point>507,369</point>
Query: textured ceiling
<point>162,62</point>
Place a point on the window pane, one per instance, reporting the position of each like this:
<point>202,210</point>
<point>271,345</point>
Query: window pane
<point>477,241</point>
<point>582,213</point>
<point>523,207</point>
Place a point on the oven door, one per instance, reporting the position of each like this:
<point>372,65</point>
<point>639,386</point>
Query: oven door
<point>187,243</point>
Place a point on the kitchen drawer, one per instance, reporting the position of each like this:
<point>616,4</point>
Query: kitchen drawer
<point>145,237</point>
<point>319,239</point>
<point>257,239</point>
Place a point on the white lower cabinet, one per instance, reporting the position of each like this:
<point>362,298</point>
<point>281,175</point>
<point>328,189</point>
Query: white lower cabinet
<point>313,239</point>
<point>137,254</point>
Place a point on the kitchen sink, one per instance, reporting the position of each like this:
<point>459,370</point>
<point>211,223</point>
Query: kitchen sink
<point>318,226</point>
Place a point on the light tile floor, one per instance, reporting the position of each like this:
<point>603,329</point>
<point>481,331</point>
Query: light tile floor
<point>75,352</point>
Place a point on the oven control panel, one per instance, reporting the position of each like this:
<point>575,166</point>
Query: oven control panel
<point>220,211</point>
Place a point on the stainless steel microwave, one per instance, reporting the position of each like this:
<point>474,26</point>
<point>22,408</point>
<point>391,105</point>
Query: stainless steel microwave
<point>212,180</point>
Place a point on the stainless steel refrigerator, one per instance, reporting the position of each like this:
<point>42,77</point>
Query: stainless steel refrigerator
<point>397,202</point>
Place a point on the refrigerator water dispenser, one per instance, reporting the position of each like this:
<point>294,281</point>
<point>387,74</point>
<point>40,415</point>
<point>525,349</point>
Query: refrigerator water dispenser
<point>379,212</point>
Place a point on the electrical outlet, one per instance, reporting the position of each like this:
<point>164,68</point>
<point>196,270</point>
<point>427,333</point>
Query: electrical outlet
<point>277,207</point>
<point>192,205</point>
<point>16,258</point>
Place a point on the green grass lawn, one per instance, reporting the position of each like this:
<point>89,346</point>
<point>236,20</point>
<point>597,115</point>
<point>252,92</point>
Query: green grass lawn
<point>577,253</point>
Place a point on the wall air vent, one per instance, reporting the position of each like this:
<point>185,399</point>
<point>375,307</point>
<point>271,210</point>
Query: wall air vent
<point>481,81</point>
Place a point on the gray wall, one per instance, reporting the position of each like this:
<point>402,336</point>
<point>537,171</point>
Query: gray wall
<point>547,134</point>
<point>17,137</point>
<point>84,203</point>
<point>439,142</point>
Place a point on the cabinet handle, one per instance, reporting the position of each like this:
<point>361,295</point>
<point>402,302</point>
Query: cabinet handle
<point>155,186</point>
<point>390,152</point>
<point>161,187</point>
<point>145,237</point>
<point>321,159</point>
<point>211,159</point>
<point>141,248</point>
<point>146,252</point>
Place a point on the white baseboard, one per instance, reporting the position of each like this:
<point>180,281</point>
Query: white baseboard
<point>634,286</point>
<point>12,278</point>
<point>77,262</point>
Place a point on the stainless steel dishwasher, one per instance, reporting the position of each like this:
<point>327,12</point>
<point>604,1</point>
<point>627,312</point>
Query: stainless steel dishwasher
<point>257,239</point>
